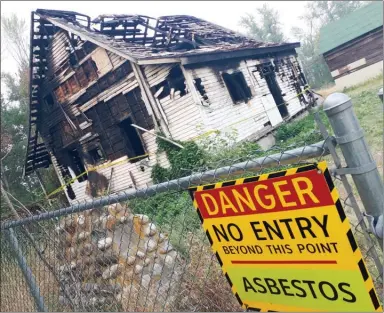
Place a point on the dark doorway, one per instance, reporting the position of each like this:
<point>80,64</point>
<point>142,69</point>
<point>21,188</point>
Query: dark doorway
<point>77,165</point>
<point>269,74</point>
<point>133,141</point>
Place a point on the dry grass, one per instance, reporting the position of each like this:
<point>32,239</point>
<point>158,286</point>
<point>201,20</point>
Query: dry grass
<point>14,291</point>
<point>204,287</point>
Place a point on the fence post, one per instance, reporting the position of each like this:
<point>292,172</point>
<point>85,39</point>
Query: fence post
<point>360,163</point>
<point>30,279</point>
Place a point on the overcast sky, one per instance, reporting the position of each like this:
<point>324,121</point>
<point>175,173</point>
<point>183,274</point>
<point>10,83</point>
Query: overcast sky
<point>224,13</point>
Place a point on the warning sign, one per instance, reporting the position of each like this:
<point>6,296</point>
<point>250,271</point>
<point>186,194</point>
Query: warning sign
<point>284,242</point>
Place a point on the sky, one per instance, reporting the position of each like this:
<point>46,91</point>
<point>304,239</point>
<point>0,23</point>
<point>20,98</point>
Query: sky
<point>224,13</point>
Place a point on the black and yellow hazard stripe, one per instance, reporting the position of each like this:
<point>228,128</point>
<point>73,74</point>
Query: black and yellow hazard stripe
<point>358,258</point>
<point>321,167</point>
<point>240,181</point>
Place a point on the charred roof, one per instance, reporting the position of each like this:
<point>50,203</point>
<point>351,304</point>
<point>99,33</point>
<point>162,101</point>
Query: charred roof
<point>143,39</point>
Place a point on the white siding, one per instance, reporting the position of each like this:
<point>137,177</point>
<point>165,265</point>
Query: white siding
<point>222,114</point>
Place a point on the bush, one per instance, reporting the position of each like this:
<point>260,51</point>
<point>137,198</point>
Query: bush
<point>182,161</point>
<point>304,130</point>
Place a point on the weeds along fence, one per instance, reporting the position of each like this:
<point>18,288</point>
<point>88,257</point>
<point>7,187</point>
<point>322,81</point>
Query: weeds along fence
<point>145,250</point>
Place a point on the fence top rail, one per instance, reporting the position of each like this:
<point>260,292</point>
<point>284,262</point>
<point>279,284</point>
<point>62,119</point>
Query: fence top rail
<point>292,156</point>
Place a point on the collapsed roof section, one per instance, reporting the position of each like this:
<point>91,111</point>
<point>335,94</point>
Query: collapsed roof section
<point>167,39</point>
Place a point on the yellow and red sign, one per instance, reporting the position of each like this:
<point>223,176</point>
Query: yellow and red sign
<point>284,242</point>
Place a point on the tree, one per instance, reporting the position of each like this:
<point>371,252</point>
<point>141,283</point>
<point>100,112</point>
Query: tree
<point>318,14</point>
<point>269,27</point>
<point>14,117</point>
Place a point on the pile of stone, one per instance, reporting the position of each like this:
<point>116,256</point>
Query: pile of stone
<point>112,259</point>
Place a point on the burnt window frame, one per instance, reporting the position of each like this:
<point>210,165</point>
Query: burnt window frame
<point>104,157</point>
<point>229,81</point>
<point>170,82</point>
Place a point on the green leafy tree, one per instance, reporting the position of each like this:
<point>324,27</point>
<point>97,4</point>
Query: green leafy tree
<point>264,26</point>
<point>14,118</point>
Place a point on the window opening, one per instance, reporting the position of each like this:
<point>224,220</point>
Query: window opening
<point>175,80</point>
<point>133,141</point>
<point>97,155</point>
<point>237,87</point>
<point>49,100</point>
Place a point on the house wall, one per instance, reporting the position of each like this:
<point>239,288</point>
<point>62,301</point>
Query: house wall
<point>93,97</point>
<point>88,107</point>
<point>189,116</point>
<point>358,60</point>
<point>248,119</point>
<point>359,76</point>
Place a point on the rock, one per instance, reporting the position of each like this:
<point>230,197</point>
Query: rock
<point>144,219</point>
<point>83,235</point>
<point>140,254</point>
<point>157,269</point>
<point>145,280</point>
<point>130,260</point>
<point>166,247</point>
<point>124,219</point>
<point>138,269</point>
<point>151,245</point>
<point>112,271</point>
<point>104,243</point>
<point>162,237</point>
<point>73,265</point>
<point>119,297</point>
<point>146,262</point>
<point>169,261</point>
<point>59,229</point>
<point>150,230</point>
<point>114,208</point>
<point>81,220</point>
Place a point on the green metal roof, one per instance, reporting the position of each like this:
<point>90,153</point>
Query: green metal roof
<point>351,26</point>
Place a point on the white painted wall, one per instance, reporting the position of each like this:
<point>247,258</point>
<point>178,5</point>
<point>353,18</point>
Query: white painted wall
<point>359,76</point>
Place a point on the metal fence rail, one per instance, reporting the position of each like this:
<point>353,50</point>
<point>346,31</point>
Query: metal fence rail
<point>144,250</point>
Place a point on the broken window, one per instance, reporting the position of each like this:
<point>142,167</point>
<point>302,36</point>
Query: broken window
<point>133,141</point>
<point>175,80</point>
<point>97,155</point>
<point>49,100</point>
<point>77,165</point>
<point>200,88</point>
<point>237,87</point>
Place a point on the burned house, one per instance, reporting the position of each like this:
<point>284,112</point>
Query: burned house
<point>91,80</point>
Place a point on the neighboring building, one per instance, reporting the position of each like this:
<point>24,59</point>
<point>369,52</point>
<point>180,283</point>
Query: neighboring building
<point>183,76</point>
<point>353,45</point>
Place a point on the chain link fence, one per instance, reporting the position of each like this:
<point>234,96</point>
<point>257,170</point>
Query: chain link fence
<point>145,250</point>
